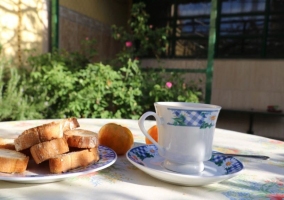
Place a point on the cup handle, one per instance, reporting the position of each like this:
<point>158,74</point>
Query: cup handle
<point>142,127</point>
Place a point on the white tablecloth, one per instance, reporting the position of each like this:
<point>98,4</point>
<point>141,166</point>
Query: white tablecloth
<point>261,179</point>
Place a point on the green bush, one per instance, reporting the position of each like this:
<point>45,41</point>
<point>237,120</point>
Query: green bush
<point>61,84</point>
<point>14,104</point>
<point>101,91</point>
<point>167,86</point>
<point>93,91</point>
<point>144,39</point>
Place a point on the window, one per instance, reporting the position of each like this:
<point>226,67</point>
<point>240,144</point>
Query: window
<point>250,29</point>
<point>246,29</point>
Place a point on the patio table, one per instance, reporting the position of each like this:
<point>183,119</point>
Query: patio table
<point>260,179</point>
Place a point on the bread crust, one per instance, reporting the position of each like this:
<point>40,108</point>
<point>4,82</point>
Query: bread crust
<point>49,149</point>
<point>81,138</point>
<point>73,160</point>
<point>44,133</point>
<point>13,161</point>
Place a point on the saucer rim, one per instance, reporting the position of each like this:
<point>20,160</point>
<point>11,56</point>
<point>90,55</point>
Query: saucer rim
<point>203,180</point>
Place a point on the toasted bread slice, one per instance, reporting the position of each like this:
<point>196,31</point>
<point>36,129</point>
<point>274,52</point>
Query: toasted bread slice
<point>7,143</point>
<point>44,133</point>
<point>73,160</point>
<point>13,161</point>
<point>49,149</point>
<point>80,138</point>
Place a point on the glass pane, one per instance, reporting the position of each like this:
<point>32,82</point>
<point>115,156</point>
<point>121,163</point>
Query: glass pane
<point>158,12</point>
<point>242,6</point>
<point>276,5</point>
<point>239,47</point>
<point>275,48</point>
<point>193,27</point>
<point>194,9</point>
<point>276,25</point>
<point>191,48</point>
<point>243,25</point>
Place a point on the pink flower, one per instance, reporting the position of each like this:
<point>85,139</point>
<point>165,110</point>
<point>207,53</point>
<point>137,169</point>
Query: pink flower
<point>150,26</point>
<point>128,44</point>
<point>87,38</point>
<point>169,84</point>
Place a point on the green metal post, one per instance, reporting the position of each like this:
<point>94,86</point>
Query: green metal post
<point>54,24</point>
<point>265,28</point>
<point>173,50</point>
<point>218,22</point>
<point>211,46</point>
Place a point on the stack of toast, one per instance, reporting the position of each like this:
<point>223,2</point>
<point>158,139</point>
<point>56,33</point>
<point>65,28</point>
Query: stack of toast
<point>61,143</point>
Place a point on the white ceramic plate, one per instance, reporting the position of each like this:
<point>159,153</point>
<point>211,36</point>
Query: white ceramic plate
<point>40,173</point>
<point>217,169</point>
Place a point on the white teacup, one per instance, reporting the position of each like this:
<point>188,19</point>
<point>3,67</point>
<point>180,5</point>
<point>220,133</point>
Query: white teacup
<point>185,134</point>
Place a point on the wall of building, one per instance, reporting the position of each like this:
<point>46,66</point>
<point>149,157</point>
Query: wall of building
<point>250,84</point>
<point>24,26</point>
<point>92,20</point>
<point>108,12</point>
<point>241,84</point>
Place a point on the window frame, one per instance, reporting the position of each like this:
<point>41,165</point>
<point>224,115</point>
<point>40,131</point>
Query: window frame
<point>265,36</point>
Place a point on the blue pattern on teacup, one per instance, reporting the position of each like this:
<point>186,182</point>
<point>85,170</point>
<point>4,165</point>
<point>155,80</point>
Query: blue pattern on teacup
<point>194,118</point>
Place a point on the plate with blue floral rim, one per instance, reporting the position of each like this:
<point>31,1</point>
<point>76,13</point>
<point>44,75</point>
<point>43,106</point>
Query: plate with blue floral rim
<point>217,169</point>
<point>40,173</point>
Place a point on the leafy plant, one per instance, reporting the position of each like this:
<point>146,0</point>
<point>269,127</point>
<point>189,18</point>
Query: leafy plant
<point>167,86</point>
<point>106,93</point>
<point>119,89</point>
<point>141,38</point>
<point>94,91</point>
<point>62,84</point>
<point>15,105</point>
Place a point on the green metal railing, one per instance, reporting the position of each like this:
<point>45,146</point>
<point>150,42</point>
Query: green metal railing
<point>211,50</point>
<point>54,24</point>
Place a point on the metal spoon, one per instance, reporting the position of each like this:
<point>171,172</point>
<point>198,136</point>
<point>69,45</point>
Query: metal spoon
<point>243,155</point>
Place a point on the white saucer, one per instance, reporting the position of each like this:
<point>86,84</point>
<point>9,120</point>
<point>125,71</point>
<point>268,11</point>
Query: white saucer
<point>217,169</point>
<point>40,173</point>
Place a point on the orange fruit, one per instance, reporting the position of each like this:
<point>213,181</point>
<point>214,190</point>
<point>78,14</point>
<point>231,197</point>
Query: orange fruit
<point>153,132</point>
<point>116,137</point>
